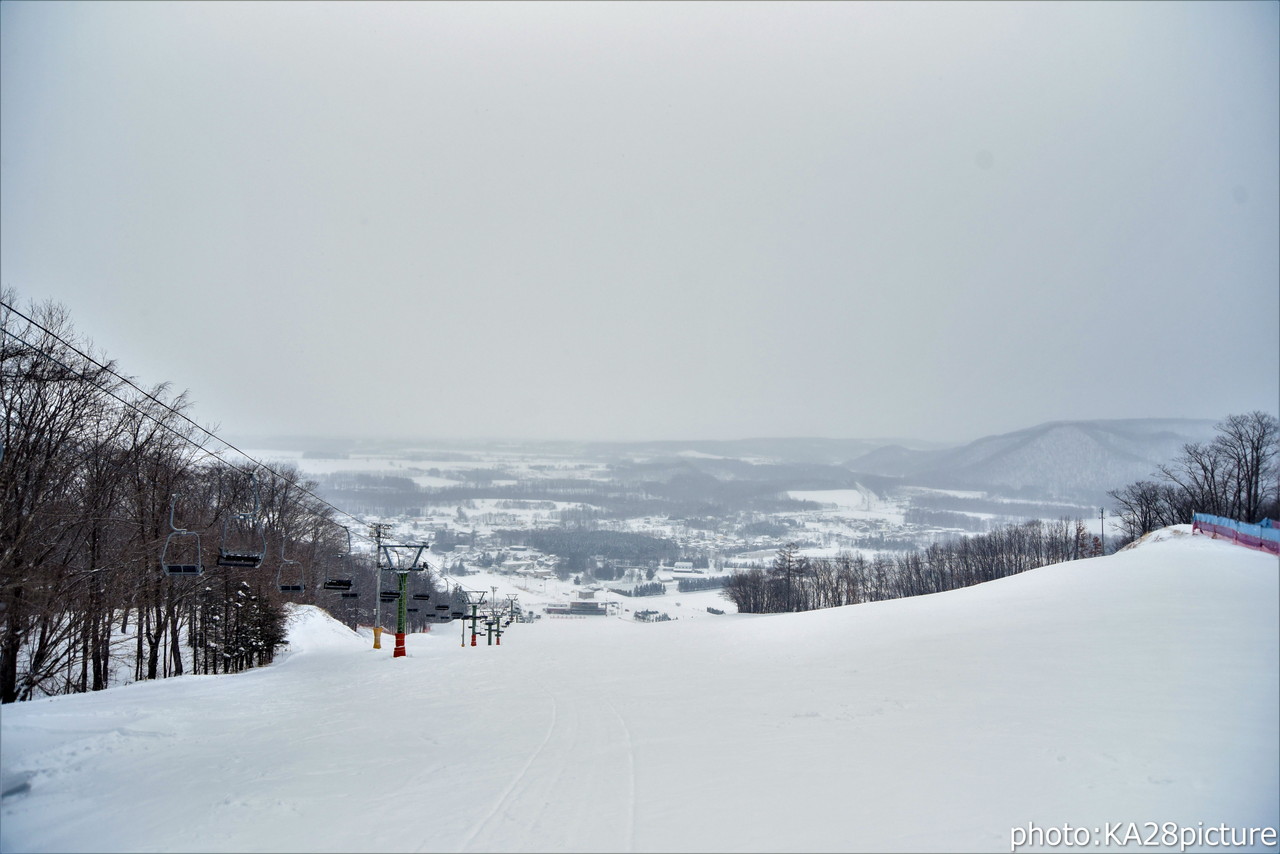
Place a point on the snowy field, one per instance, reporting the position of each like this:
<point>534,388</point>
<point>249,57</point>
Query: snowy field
<point>1140,687</point>
<point>859,503</point>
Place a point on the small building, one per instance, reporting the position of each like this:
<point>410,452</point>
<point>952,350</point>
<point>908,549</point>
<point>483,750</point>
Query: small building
<point>585,605</point>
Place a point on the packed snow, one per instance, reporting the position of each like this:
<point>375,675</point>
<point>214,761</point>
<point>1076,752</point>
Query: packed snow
<point>1140,687</point>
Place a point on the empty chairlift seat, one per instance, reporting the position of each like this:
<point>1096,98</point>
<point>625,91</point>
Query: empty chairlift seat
<point>341,581</point>
<point>181,553</point>
<point>246,560</point>
<point>243,542</point>
<point>289,576</point>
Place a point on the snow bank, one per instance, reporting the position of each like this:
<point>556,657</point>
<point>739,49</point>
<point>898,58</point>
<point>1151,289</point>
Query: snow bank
<point>1159,536</point>
<point>310,628</point>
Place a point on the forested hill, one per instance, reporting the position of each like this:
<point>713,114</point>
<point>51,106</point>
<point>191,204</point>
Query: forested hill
<point>1059,459</point>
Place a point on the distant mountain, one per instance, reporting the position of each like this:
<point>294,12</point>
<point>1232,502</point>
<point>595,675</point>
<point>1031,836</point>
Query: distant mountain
<point>1076,461</point>
<point>1060,459</point>
<point>791,450</point>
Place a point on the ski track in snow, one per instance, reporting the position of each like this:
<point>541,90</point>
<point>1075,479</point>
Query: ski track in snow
<point>554,793</point>
<point>631,778</point>
<point>505,797</point>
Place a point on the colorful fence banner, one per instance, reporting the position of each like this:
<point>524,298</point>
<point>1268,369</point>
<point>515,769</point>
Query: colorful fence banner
<point>1264,537</point>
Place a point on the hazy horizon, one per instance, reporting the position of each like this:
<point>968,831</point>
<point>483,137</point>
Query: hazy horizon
<point>625,221</point>
<point>334,442</point>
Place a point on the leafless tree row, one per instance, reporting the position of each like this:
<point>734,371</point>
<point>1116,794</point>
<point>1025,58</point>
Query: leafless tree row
<point>798,583</point>
<point>1236,475</point>
<point>87,488</point>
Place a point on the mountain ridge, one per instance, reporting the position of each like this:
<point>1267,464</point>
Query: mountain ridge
<point>1058,459</point>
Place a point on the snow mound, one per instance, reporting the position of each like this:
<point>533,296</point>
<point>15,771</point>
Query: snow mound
<point>310,627</point>
<point>1160,535</point>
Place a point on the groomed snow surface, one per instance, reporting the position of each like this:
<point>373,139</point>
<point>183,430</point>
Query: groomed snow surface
<point>1140,687</point>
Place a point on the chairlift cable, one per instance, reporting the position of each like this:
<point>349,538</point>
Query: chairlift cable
<point>133,406</point>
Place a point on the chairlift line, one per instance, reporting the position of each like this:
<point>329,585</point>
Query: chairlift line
<point>232,558</point>
<point>242,543</point>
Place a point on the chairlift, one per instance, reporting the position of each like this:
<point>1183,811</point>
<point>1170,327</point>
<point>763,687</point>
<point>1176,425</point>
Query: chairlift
<point>349,595</point>
<point>389,595</point>
<point>342,581</point>
<point>181,552</point>
<point>231,554</point>
<point>294,585</point>
<point>421,569</point>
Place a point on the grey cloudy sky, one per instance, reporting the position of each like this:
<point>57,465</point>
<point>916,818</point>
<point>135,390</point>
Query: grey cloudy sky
<point>655,220</point>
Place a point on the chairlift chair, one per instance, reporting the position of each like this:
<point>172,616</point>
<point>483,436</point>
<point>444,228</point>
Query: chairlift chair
<point>246,560</point>
<point>294,585</point>
<point>180,547</point>
<point>342,582</point>
<point>419,595</point>
<point>243,557</point>
<point>290,587</point>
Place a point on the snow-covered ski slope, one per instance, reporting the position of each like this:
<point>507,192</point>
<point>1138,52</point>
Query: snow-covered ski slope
<point>1140,687</point>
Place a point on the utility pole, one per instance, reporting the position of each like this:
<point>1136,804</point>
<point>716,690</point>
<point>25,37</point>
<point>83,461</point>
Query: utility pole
<point>1102,529</point>
<point>379,529</point>
<point>492,623</point>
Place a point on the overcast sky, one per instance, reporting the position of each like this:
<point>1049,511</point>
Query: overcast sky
<point>591,220</point>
